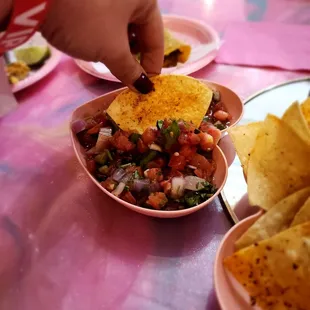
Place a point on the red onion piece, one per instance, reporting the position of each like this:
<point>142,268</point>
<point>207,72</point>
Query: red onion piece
<point>194,183</point>
<point>118,174</point>
<point>127,177</point>
<point>140,184</point>
<point>154,187</point>
<point>78,125</point>
<point>119,189</point>
<point>177,187</point>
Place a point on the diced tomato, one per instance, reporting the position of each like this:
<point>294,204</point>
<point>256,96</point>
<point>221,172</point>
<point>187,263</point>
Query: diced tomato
<point>193,138</point>
<point>154,174</point>
<point>149,135</point>
<point>211,130</point>
<point>157,200</point>
<point>156,163</point>
<point>218,107</point>
<point>183,138</point>
<point>94,130</point>
<point>202,163</point>
<point>100,118</point>
<point>109,184</point>
<point>174,173</point>
<point>167,123</point>
<point>142,148</point>
<point>91,166</point>
<point>127,196</point>
<point>201,174</point>
<point>132,169</point>
<point>177,162</point>
<point>206,141</point>
<point>188,151</point>
<point>121,142</point>
<point>188,138</point>
<point>166,185</point>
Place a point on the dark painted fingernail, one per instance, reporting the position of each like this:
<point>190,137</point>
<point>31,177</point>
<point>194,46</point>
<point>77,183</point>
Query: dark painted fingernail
<point>143,84</point>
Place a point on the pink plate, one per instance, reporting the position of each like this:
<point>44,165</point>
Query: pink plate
<point>204,40</point>
<point>39,74</point>
<point>102,103</point>
<point>230,294</point>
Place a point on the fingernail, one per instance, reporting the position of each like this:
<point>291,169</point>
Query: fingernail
<point>143,84</point>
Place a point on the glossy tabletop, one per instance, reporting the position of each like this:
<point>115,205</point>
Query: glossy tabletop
<point>64,245</point>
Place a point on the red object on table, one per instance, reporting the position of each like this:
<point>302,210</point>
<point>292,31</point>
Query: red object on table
<point>25,20</point>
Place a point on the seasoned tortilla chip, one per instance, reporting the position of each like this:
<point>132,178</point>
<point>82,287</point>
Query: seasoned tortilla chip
<point>176,49</point>
<point>303,215</point>
<point>244,138</point>
<point>294,117</point>
<point>175,96</point>
<point>276,271</point>
<point>305,107</point>
<point>275,220</point>
<point>279,164</point>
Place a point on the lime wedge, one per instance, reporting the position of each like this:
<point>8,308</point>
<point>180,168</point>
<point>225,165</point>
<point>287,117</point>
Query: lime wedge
<point>32,55</point>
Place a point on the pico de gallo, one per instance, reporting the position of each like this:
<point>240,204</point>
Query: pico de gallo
<point>217,114</point>
<point>168,167</point>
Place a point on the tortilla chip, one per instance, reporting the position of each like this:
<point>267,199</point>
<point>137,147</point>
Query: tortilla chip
<point>294,117</point>
<point>303,215</point>
<point>277,219</point>
<point>244,138</point>
<point>172,45</point>
<point>279,164</point>
<point>175,96</point>
<point>276,272</point>
<point>305,108</point>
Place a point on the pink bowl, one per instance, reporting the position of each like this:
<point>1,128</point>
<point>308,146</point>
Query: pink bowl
<point>102,103</point>
<point>230,294</point>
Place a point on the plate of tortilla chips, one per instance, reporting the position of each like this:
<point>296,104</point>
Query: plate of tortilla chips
<point>189,46</point>
<point>264,261</point>
<point>154,154</point>
<point>274,100</point>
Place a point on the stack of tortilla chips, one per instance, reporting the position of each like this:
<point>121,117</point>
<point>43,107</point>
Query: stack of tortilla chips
<point>273,257</point>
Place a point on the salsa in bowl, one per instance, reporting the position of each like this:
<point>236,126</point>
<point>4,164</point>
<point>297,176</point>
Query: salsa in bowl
<point>170,170</point>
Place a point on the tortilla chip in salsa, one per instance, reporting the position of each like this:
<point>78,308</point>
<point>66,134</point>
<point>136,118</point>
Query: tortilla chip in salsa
<point>174,96</point>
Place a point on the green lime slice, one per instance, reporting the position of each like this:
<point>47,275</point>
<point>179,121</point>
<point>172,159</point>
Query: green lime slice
<point>32,55</point>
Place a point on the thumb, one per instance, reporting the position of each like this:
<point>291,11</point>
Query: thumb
<point>125,66</point>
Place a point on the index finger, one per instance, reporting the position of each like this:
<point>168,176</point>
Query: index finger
<point>151,42</point>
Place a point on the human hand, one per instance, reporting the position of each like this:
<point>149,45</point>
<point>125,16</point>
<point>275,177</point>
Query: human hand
<point>97,30</point>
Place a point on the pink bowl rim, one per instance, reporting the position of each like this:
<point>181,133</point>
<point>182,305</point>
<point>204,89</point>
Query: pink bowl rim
<point>219,264</point>
<point>136,208</point>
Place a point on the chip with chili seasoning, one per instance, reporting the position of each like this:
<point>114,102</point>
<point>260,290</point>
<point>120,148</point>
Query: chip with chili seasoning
<point>275,272</point>
<point>174,97</point>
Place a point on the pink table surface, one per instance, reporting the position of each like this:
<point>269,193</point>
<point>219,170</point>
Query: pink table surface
<point>63,243</point>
